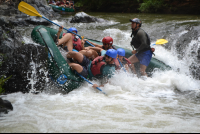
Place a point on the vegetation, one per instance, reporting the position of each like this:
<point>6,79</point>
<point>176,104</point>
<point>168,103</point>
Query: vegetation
<point>152,5</point>
<point>98,4</point>
<point>143,5</point>
<point>148,6</point>
<point>3,79</point>
<point>2,82</point>
<point>108,5</point>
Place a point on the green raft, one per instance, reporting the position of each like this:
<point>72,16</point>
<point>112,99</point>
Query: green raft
<point>60,71</point>
<point>62,10</point>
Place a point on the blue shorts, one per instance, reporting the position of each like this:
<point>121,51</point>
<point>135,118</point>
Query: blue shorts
<point>85,63</point>
<point>144,57</point>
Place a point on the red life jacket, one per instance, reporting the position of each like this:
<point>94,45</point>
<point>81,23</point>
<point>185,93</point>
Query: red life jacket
<point>127,61</point>
<point>117,64</point>
<point>97,66</point>
<point>77,43</point>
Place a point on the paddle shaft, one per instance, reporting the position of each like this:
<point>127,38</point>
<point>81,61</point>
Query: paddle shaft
<point>90,83</point>
<point>121,64</point>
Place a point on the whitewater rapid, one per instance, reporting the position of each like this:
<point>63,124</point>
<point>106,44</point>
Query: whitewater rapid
<point>166,102</point>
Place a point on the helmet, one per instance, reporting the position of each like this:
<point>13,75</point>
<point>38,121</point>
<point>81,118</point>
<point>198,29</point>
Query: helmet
<point>107,40</point>
<point>112,53</point>
<point>73,29</point>
<point>136,20</point>
<point>121,52</point>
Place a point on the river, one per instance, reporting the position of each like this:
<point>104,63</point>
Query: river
<point>167,102</point>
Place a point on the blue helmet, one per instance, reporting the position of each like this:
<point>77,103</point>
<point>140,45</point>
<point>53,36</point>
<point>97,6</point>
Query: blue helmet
<point>111,53</point>
<point>121,52</point>
<point>73,29</point>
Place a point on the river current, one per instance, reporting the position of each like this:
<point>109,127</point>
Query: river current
<point>167,102</point>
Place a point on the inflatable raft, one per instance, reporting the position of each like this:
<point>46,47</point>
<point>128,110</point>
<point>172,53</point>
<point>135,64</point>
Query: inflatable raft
<point>60,71</point>
<point>62,10</point>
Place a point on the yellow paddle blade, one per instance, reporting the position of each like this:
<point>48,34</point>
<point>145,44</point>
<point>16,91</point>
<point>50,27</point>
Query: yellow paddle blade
<point>28,9</point>
<point>82,38</point>
<point>161,41</point>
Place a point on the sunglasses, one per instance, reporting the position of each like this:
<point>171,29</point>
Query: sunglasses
<point>105,44</point>
<point>108,56</point>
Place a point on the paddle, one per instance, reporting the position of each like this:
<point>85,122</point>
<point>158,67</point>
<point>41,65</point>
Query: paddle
<point>121,65</point>
<point>29,10</point>
<point>90,83</point>
<point>160,42</point>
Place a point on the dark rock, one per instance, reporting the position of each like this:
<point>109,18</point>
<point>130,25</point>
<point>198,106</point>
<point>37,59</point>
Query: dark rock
<point>198,52</point>
<point>195,71</point>
<point>5,106</point>
<point>26,63</point>
<point>39,21</point>
<point>2,21</point>
<point>82,17</point>
<point>10,39</point>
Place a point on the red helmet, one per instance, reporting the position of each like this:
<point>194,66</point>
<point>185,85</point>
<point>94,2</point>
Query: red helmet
<point>107,40</point>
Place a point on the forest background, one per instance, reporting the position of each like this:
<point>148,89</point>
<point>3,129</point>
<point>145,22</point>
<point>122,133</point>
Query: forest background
<point>136,6</point>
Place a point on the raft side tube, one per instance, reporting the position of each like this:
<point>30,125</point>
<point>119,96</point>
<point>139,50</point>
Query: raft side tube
<point>58,66</point>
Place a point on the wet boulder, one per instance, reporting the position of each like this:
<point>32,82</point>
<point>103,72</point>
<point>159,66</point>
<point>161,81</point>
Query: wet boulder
<point>82,17</point>
<point>27,67</point>
<point>185,42</point>
<point>25,63</point>
<point>5,106</point>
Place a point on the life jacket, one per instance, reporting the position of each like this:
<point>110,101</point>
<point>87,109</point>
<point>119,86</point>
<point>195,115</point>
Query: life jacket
<point>126,61</point>
<point>77,43</point>
<point>58,3</point>
<point>97,66</point>
<point>117,64</point>
<point>51,2</point>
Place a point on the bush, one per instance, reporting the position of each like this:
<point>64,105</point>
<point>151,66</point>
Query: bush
<point>152,5</point>
<point>2,80</point>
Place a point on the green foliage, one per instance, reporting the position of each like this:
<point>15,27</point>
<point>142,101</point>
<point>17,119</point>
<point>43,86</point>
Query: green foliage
<point>78,4</point>
<point>152,5</point>
<point>2,82</point>
<point>23,42</point>
<point>5,36</point>
<point>97,4</point>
